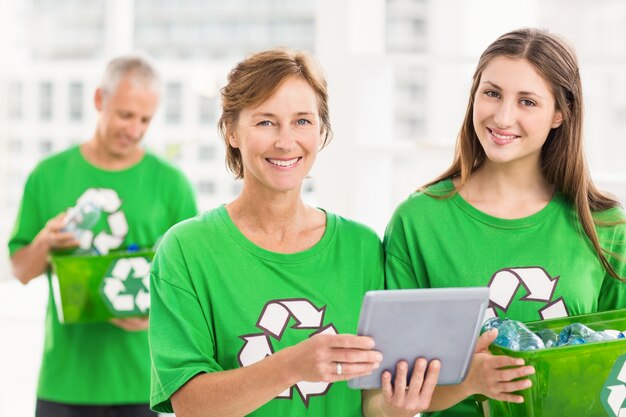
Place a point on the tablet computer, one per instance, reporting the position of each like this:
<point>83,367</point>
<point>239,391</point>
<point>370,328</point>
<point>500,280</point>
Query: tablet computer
<point>438,323</point>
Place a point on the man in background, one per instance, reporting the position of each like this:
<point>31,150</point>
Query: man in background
<point>100,369</point>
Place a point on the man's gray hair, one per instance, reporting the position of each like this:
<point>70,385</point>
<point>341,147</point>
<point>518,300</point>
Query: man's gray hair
<point>137,67</point>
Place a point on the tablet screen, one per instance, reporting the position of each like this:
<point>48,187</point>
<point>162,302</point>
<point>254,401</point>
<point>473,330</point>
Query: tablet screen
<point>437,323</point>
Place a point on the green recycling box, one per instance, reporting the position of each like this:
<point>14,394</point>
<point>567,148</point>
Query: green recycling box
<point>96,288</point>
<point>582,380</point>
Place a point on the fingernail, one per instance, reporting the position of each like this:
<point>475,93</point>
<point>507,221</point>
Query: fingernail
<point>520,400</point>
<point>378,357</point>
<point>376,365</point>
<point>527,383</point>
<point>519,362</point>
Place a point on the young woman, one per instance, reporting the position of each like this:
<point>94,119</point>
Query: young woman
<point>251,302</point>
<point>517,210</point>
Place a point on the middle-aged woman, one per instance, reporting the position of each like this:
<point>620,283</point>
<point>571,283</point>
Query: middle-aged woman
<point>251,301</point>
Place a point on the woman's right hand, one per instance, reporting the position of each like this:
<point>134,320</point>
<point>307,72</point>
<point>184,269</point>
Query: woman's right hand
<point>496,376</point>
<point>332,357</point>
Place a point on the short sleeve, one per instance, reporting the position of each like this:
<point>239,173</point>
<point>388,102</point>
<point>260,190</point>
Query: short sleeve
<point>181,334</point>
<point>29,220</point>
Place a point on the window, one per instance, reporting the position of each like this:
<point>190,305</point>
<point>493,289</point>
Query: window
<point>207,112</point>
<point>45,146</point>
<point>15,146</point>
<point>76,101</point>
<point>206,153</point>
<point>206,187</point>
<point>14,100</point>
<point>45,100</point>
<point>173,102</point>
<point>411,102</point>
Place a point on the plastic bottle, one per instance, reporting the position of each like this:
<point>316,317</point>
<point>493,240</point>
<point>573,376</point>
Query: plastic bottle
<point>83,216</point>
<point>576,334</point>
<point>514,335</point>
<point>608,334</point>
<point>491,323</point>
<point>548,336</point>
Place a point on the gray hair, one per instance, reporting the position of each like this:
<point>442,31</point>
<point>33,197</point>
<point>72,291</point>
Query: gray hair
<point>137,67</point>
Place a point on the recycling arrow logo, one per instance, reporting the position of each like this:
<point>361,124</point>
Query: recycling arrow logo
<point>110,203</point>
<point>125,288</point>
<point>539,285</point>
<point>273,322</point>
<point>613,396</point>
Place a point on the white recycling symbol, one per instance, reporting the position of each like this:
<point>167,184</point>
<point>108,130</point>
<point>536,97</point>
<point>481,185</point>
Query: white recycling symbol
<point>617,394</point>
<point>538,284</point>
<point>273,322</point>
<point>109,202</point>
<point>114,286</point>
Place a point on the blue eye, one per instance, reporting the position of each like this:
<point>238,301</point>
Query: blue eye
<point>264,123</point>
<point>303,122</point>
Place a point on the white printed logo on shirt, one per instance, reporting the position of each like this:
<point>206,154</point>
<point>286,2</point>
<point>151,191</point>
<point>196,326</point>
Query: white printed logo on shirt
<point>539,285</point>
<point>273,322</point>
<point>110,203</point>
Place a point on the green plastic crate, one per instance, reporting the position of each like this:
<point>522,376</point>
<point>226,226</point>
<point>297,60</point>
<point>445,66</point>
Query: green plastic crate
<point>97,288</point>
<point>587,380</point>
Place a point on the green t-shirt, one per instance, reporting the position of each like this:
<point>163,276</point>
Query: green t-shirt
<point>100,363</point>
<point>220,302</point>
<point>537,267</point>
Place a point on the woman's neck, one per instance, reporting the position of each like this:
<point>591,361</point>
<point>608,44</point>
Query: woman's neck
<point>279,223</point>
<point>507,192</point>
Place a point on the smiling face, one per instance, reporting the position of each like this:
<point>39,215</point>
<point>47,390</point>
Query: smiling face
<point>124,117</point>
<point>514,111</point>
<point>279,139</point>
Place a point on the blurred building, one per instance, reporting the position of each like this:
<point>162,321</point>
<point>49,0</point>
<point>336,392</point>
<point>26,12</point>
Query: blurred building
<point>399,73</point>
<point>59,56</point>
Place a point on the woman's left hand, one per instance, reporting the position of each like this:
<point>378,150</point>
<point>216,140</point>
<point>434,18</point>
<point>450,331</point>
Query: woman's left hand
<point>402,400</point>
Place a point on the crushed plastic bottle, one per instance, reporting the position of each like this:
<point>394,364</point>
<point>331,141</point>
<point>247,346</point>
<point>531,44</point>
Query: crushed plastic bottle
<point>609,334</point>
<point>83,216</point>
<point>80,219</point>
<point>491,323</point>
<point>576,334</point>
<point>548,336</point>
<point>514,335</point>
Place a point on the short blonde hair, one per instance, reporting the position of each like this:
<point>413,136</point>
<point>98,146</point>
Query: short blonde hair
<point>256,79</point>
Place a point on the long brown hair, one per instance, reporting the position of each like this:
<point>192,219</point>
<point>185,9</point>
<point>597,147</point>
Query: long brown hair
<point>255,79</point>
<point>562,157</point>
